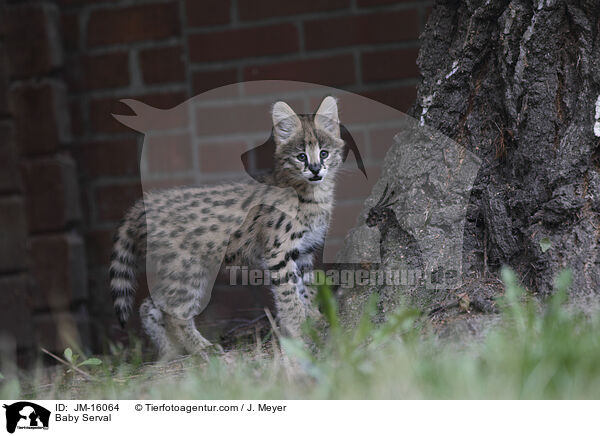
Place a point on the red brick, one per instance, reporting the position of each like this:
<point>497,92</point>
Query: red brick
<point>59,269</point>
<point>70,30</point>
<point>86,204</point>
<point>168,153</point>
<point>240,118</point>
<point>160,65</point>
<point>276,89</point>
<point>108,158</point>
<point>13,234</point>
<point>16,320</point>
<point>243,43</point>
<point>362,29</point>
<point>113,200</point>
<point>400,98</point>
<point>207,12</point>
<point>99,72</point>
<point>101,110</point>
<point>331,71</point>
<point>163,100</point>
<point>10,177</point>
<point>134,23</point>
<point>106,71</point>
<point>33,39</point>
<point>390,65</point>
<point>52,193</point>
<point>75,114</point>
<point>41,116</point>
<point>221,157</point>
<point>203,81</point>
<point>253,10</point>
<point>150,119</point>
<point>98,244</point>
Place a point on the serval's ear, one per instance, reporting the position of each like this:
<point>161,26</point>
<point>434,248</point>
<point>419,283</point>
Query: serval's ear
<point>285,122</point>
<point>326,117</point>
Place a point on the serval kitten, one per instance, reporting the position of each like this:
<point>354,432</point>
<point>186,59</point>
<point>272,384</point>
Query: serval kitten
<point>186,234</point>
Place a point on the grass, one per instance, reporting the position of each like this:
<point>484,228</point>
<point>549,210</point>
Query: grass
<point>535,353</point>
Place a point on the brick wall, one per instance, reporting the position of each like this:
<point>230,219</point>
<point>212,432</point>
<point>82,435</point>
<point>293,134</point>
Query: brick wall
<point>43,274</point>
<point>78,169</point>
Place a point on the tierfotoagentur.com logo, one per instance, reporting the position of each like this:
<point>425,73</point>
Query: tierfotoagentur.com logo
<point>26,415</point>
<point>347,278</point>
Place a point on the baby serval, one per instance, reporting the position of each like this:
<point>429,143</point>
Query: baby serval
<point>276,225</point>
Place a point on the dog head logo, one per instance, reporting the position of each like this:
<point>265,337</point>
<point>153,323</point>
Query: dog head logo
<point>26,415</point>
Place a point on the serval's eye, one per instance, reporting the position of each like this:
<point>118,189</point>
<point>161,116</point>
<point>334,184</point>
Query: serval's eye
<point>324,154</point>
<point>301,157</point>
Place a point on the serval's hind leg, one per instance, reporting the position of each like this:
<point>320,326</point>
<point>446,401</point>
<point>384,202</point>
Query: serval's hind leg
<point>188,335</point>
<point>153,323</point>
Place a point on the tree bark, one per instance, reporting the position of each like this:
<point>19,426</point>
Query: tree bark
<point>517,83</point>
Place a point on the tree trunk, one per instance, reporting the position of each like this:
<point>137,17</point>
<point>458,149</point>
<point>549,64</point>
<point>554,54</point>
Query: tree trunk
<point>517,83</point>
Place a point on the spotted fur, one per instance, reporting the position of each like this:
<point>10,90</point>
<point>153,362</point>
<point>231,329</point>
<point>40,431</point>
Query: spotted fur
<point>185,234</point>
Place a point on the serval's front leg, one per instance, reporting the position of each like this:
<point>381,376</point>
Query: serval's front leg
<point>285,285</point>
<point>307,291</point>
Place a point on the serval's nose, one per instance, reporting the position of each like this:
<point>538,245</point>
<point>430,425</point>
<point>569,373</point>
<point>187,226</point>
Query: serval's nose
<point>314,168</point>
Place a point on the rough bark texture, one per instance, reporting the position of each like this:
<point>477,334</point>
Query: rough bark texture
<point>517,83</point>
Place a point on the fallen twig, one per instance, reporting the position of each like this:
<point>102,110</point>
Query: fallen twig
<point>477,304</point>
<point>244,325</point>
<point>272,321</point>
<point>69,364</point>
